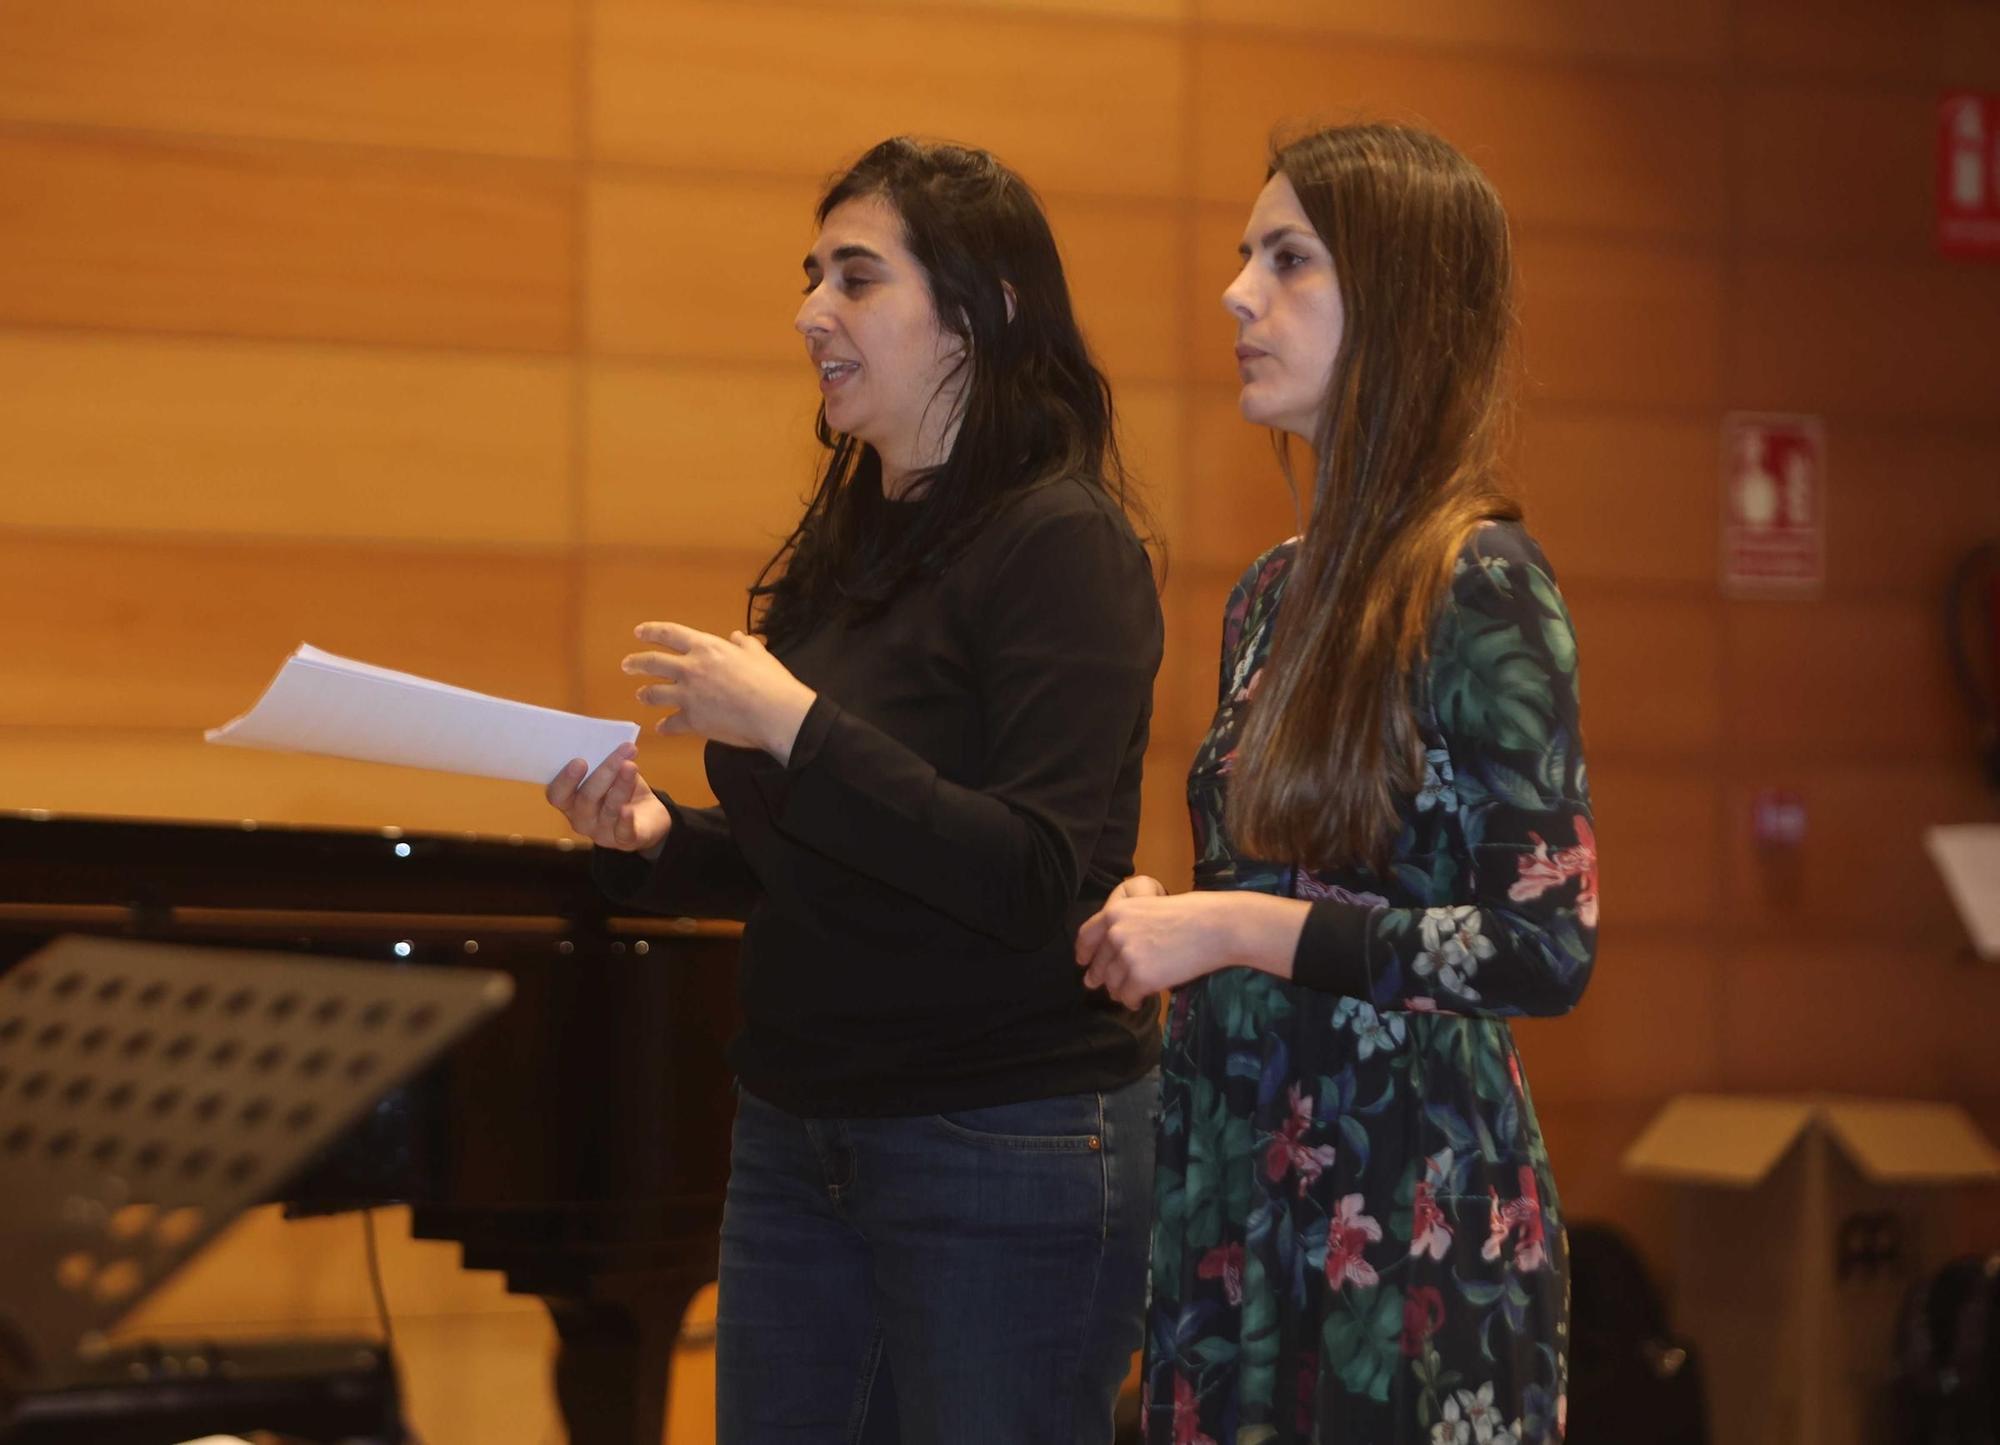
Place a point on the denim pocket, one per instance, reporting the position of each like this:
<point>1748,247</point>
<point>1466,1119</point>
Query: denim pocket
<point>1066,1123</point>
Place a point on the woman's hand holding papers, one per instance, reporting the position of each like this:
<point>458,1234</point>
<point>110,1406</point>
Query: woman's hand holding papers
<point>728,689</point>
<point>612,807</point>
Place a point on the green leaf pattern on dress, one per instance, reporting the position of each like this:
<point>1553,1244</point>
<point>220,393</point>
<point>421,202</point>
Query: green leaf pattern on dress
<point>1356,1234</point>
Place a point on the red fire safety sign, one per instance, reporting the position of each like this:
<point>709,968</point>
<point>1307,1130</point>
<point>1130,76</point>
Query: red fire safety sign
<point>1968,184</point>
<point>1773,504</point>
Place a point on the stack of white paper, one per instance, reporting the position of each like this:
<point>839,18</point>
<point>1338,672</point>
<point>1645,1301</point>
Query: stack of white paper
<point>319,703</point>
<point>1968,854</point>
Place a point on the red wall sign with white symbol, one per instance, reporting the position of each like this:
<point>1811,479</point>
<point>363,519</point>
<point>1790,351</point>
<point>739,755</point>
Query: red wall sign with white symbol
<point>1773,504</point>
<point>1968,181</point>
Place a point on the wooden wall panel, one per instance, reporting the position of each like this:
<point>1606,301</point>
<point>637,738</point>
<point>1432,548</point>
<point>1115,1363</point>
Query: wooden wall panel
<point>1646,1028</point>
<point>186,635</point>
<point>142,772</point>
<point>1074,106</point>
<point>1166,837</point>
<point>1808,151</point>
<point>699,454</point>
<point>661,250</point>
<point>1905,504</point>
<point>1669,35</point>
<point>176,437</point>
<point>1124,260</point>
<point>1151,421</point>
<point>1792,1026</point>
<point>1184,701</point>
<point>1566,147</point>
<point>1862,874</point>
<point>1656,828</point>
<point>1829,336</point>
<point>1650,674</point>
<point>1970,46</point>
<point>1159,10</point>
<point>1877,39</point>
<point>1238,502</point>
<point>444,74</point>
<point>146,234</point>
<point>1622,497</point>
<point>1218,231</point>
<point>1856,681</point>
<point>1917,43</point>
<point>1620,324</point>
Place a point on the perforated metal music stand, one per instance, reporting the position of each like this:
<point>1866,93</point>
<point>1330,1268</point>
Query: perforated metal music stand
<point>149,1093</point>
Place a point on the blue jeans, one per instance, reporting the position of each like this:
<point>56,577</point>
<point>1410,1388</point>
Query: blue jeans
<point>941,1279</point>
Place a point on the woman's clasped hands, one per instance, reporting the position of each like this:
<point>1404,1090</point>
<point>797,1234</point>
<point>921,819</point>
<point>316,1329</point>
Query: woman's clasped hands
<point>1144,940</point>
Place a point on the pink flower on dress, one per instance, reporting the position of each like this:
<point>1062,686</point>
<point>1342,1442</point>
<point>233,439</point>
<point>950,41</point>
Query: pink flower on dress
<point>1187,1414</point>
<point>1349,1233</point>
<point>1287,1152</point>
<point>1521,1218</point>
<point>1542,870</point>
<point>1225,1262</point>
<point>1429,1232</point>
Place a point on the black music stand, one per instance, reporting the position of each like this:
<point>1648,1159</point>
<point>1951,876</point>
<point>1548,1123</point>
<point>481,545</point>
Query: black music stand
<point>149,1093</point>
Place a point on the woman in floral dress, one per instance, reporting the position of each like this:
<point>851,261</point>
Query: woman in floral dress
<point>1357,1240</point>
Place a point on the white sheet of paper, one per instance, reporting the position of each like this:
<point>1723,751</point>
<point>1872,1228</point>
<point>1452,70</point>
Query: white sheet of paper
<point>1968,854</point>
<point>320,703</point>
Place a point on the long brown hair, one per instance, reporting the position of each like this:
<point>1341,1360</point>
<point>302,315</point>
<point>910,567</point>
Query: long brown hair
<point>1407,451</point>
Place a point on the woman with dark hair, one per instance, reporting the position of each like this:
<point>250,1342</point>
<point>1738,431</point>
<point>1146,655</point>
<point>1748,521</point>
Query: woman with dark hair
<point>928,770</point>
<point>1357,1237</point>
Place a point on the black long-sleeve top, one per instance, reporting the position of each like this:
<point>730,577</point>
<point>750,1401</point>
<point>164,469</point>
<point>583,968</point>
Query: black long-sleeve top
<point>961,796</point>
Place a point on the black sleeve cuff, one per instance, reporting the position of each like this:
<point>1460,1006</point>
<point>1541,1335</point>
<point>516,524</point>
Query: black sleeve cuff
<point>620,876</point>
<point>628,877</point>
<point>813,733</point>
<point>1332,955</point>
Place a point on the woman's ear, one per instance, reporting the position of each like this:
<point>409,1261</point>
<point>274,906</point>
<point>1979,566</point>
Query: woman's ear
<point>1008,287</point>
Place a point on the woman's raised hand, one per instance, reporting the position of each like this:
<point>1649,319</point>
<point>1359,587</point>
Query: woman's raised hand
<point>729,689</point>
<point>612,807</point>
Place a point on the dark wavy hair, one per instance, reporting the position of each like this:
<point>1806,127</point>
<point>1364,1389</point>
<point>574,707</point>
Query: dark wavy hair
<point>1035,407</point>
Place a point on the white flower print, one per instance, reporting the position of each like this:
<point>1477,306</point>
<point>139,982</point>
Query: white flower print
<point>1453,1428</point>
<point>1375,1033</point>
<point>1454,948</point>
<point>1481,1414</point>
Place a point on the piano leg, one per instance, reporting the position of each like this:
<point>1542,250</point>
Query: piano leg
<point>612,1370</point>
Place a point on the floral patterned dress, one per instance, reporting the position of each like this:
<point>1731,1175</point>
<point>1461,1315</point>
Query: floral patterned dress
<point>1357,1240</point>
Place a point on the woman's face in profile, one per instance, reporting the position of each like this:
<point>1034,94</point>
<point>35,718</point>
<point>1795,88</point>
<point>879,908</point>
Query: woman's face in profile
<point>873,337</point>
<point>1286,302</point>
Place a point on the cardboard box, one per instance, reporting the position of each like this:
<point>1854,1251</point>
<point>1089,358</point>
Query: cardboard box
<point>1801,1223</point>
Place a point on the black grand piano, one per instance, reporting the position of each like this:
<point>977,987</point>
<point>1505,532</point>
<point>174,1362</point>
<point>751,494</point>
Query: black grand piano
<point>578,1142</point>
